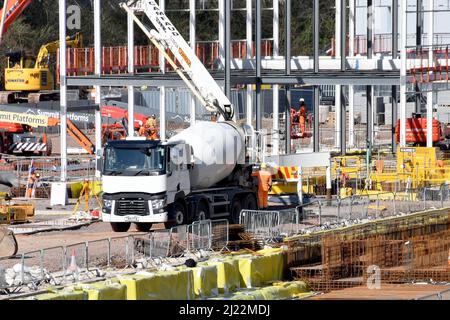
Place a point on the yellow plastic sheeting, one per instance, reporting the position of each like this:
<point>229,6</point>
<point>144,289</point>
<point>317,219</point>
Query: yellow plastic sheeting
<point>256,270</point>
<point>284,290</point>
<point>62,295</point>
<point>165,285</point>
<point>228,278</point>
<point>205,281</point>
<point>105,290</point>
<point>278,291</point>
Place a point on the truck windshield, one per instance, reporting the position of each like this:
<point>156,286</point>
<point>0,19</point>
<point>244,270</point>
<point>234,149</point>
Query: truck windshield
<point>134,161</point>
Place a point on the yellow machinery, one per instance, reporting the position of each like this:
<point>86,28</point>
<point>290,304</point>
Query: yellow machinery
<point>26,77</point>
<point>416,167</point>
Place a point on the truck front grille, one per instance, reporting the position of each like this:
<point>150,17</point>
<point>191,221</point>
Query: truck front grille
<point>126,207</point>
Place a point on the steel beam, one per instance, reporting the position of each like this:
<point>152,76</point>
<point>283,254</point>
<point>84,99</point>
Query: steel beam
<point>343,122</point>
<point>351,89</point>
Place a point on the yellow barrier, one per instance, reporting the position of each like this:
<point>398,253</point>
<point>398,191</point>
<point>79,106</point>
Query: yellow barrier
<point>167,285</point>
<point>228,278</point>
<point>105,290</point>
<point>256,270</point>
<point>61,295</point>
<point>205,281</point>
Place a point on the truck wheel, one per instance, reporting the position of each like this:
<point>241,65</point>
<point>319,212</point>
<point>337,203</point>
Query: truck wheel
<point>202,212</point>
<point>144,227</point>
<point>177,216</point>
<point>236,209</point>
<point>250,202</point>
<point>120,227</point>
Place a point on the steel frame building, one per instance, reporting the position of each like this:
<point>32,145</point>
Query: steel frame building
<point>342,74</point>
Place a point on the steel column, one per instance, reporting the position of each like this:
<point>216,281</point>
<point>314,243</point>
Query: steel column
<point>98,72</point>
<point>419,33</point>
<point>370,121</point>
<point>430,58</point>
<point>228,50</point>
<point>249,56</point>
<point>337,96</point>
<point>343,124</point>
<point>258,67</point>
<point>369,29</point>
<point>403,70</point>
<point>63,87</point>
<point>162,89</point>
<point>130,35</point>
<point>288,72</point>
<point>276,88</point>
<point>394,56</point>
<point>316,40</point>
<point>222,32</point>
<point>351,89</point>
<point>192,39</point>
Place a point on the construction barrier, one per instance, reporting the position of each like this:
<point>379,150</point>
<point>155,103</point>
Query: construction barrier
<point>256,270</point>
<point>228,277</point>
<point>168,285</point>
<point>205,281</point>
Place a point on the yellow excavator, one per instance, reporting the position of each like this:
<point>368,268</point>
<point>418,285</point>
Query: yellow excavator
<point>31,80</point>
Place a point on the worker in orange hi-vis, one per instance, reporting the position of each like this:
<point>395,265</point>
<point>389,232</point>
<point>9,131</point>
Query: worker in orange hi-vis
<point>302,117</point>
<point>152,125</point>
<point>264,184</point>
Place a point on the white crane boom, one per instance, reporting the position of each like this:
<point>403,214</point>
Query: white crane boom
<point>166,36</point>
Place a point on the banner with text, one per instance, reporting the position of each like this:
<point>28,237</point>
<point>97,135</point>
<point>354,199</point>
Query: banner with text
<point>23,118</point>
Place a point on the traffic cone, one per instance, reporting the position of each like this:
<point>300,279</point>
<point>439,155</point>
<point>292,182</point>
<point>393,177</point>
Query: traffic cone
<point>73,268</point>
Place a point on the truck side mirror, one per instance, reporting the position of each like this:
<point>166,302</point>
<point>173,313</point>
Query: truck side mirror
<point>99,164</point>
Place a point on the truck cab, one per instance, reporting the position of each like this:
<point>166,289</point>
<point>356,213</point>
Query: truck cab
<point>160,174</point>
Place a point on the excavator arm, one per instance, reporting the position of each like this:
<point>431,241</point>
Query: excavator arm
<point>14,9</point>
<point>76,134</point>
<point>165,37</point>
<point>75,41</point>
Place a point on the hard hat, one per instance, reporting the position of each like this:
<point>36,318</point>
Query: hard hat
<point>263,166</point>
<point>302,100</point>
<point>38,175</point>
<point>153,115</point>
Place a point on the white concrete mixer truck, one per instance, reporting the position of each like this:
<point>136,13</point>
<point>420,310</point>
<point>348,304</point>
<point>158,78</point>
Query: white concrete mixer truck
<point>201,173</point>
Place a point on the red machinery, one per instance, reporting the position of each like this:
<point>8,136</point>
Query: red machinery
<point>18,139</point>
<point>14,9</point>
<point>416,131</point>
<point>120,114</point>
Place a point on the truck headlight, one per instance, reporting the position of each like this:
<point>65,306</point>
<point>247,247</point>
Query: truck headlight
<point>107,206</point>
<point>158,203</point>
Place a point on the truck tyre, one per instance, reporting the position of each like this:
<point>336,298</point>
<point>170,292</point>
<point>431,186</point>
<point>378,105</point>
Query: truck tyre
<point>250,202</point>
<point>177,215</point>
<point>202,212</point>
<point>120,227</point>
<point>144,227</point>
<point>236,208</point>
